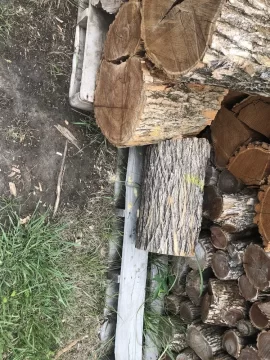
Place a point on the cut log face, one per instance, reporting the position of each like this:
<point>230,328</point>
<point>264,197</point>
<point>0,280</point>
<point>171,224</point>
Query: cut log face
<point>228,183</point>
<point>262,218</point>
<point>257,267</point>
<point>221,239</point>
<point>171,204</point>
<point>187,354</point>
<point>260,315</point>
<point>245,328</point>
<point>251,163</point>
<point>133,108</point>
<point>228,134</point>
<point>124,35</point>
<point>225,267</point>
<point>172,303</point>
<point>223,305</point>
<point>176,35</point>
<point>254,112</point>
<point>233,212</point>
<point>263,344</point>
<point>246,289</point>
<point>249,353</point>
<point>233,342</point>
<point>189,312</point>
<point>205,340</point>
<point>194,289</point>
<point>204,251</point>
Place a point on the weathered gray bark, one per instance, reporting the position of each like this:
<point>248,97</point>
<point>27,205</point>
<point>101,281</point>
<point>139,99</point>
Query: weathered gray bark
<point>233,212</point>
<point>171,205</point>
<point>189,312</point>
<point>195,288</point>
<point>245,328</point>
<point>187,354</point>
<point>205,340</point>
<point>225,267</point>
<point>233,342</point>
<point>238,55</point>
<point>223,305</point>
<point>204,251</point>
<point>249,353</point>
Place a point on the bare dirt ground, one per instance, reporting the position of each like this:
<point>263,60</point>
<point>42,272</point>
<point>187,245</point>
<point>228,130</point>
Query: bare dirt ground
<point>36,45</point>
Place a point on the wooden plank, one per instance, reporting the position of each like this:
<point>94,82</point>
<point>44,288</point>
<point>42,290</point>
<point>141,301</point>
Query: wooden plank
<point>129,329</point>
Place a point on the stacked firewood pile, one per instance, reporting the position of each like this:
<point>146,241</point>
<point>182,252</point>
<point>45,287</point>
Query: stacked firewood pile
<point>191,80</point>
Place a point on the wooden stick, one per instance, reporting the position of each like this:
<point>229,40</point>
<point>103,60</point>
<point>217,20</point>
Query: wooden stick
<point>69,347</point>
<point>60,181</point>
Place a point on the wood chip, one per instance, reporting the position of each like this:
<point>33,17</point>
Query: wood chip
<point>68,135</point>
<point>12,189</point>
<point>69,347</point>
<point>25,220</point>
<point>60,181</point>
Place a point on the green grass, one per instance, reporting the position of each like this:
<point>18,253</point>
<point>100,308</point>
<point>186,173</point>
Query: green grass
<point>34,290</point>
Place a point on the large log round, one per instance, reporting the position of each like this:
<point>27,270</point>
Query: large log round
<point>233,342</point>
<point>259,315</point>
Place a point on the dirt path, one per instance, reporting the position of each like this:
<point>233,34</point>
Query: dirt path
<point>36,45</point>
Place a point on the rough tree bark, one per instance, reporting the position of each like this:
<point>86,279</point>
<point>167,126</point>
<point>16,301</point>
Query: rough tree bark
<point>204,251</point>
<point>171,204</point>
<point>263,344</point>
<point>249,353</point>
<point>133,108</point>
<point>228,133</point>
<point>259,315</point>
<point>262,219</point>
<point>195,288</point>
<point>236,249</point>
<point>187,354</point>
<point>228,183</point>
<point>257,266</point>
<point>124,35</point>
<point>233,212</point>
<point>225,267</point>
<point>223,305</point>
<point>233,342</point>
<point>254,112</point>
<point>221,238</point>
<point>205,340</point>
<point>251,163</point>
<point>245,328</point>
<point>220,42</point>
<point>189,312</point>
<point>172,303</point>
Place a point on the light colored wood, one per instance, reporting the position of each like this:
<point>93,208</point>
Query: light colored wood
<point>171,205</point>
<point>134,108</point>
<point>129,329</point>
<point>110,6</point>
<point>151,350</point>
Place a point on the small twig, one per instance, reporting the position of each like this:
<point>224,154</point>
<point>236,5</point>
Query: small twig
<point>69,347</point>
<point>60,181</point>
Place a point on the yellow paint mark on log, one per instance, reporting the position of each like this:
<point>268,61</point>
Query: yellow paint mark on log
<point>170,200</point>
<point>155,132</point>
<point>135,192</point>
<point>130,206</point>
<point>129,180</point>
<point>195,180</point>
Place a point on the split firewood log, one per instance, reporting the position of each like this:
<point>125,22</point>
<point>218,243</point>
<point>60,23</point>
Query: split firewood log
<point>262,219</point>
<point>187,354</point>
<point>245,328</point>
<point>124,35</point>
<point>196,286</point>
<point>172,190</point>
<point>263,345</point>
<point>249,353</point>
<point>172,303</point>
<point>254,112</point>
<point>189,312</point>
<point>221,238</point>
<point>133,108</point>
<point>223,305</point>
<point>225,267</point>
<point>233,212</point>
<point>257,266</point>
<point>233,342</point>
<point>259,315</point>
<point>110,6</point>
<point>216,28</point>
<point>204,251</point>
<point>228,134</point>
<point>205,340</point>
<point>251,163</point>
<point>228,183</point>
<point>248,291</point>
<point>179,269</point>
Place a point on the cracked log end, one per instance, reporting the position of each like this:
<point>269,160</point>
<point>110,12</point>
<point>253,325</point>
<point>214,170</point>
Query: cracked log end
<point>176,34</point>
